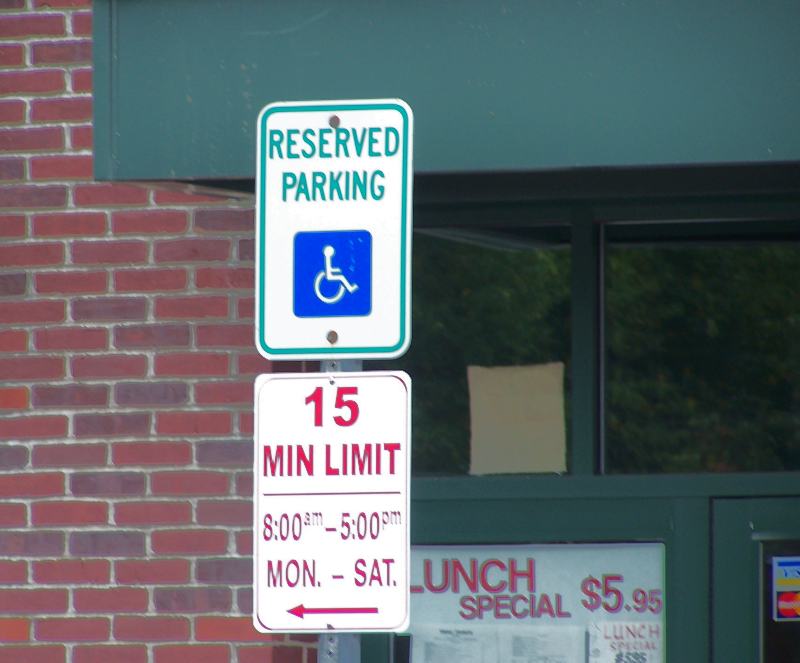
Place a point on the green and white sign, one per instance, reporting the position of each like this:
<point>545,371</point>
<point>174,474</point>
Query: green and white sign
<point>333,232</point>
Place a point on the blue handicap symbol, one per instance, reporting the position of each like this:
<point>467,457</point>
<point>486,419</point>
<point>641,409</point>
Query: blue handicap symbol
<point>332,273</point>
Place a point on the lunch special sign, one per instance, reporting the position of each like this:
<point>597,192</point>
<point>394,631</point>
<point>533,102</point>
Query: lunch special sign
<point>615,592</point>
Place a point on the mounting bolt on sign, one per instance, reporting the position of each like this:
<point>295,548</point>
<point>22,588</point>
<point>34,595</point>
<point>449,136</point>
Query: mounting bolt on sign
<point>333,231</point>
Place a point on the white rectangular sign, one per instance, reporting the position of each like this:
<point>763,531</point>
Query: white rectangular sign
<point>333,231</point>
<point>331,502</point>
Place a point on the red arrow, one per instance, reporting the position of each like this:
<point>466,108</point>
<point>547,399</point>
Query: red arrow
<point>300,610</point>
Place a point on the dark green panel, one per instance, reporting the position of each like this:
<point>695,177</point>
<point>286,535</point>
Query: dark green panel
<point>510,85</point>
<point>739,527</point>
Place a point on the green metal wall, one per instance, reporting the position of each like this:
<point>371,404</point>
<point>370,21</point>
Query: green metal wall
<point>495,86</point>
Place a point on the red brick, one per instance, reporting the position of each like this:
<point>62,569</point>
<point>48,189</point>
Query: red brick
<point>193,423</point>
<point>149,280</point>
<point>32,601</point>
<point>152,572</point>
<point>71,454</point>
<point>224,392</point>
<point>254,364</point>
<point>191,307</point>
<point>109,366</point>
<point>27,428</point>
<point>189,483</point>
<point>151,393</point>
<point>224,220</point>
<point>72,572</point>
<point>62,3</point>
<point>246,250</point>
<point>149,221</point>
<point>103,195</point>
<point>81,21</point>
<point>30,139</point>
<point>229,629</point>
<point>152,513</point>
<point>224,335</point>
<point>12,169</point>
<point>115,600</point>
<point>81,82</point>
<point>176,197</point>
<point>66,629</point>
<point>28,255</point>
<point>12,225</point>
<point>12,55</point>
<point>152,453</point>
<point>270,654</point>
<point>117,484</point>
<point>226,453</point>
<point>193,653</point>
<point>31,544</point>
<point>62,52</point>
<point>13,457</point>
<point>31,368</point>
<point>33,197</point>
<point>244,483</point>
<point>103,425</point>
<point>12,111</point>
<point>152,336</point>
<point>226,571</point>
<point>13,398</point>
<point>71,338</point>
<point>245,308</point>
<point>110,654</point>
<point>244,542</point>
<point>109,252</point>
<point>28,25</point>
<point>190,542</point>
<point>192,250</point>
<point>225,277</point>
<point>42,310</point>
<point>13,573</point>
<point>13,514</point>
<point>42,484</point>
<point>111,309</point>
<point>81,138</point>
<point>61,168</point>
<point>151,629</point>
<point>35,654</point>
<point>27,81</point>
<point>72,513</point>
<point>78,224</point>
<point>13,340</point>
<point>192,599</point>
<point>62,109</point>
<point>187,364</point>
<point>13,283</point>
<point>246,422</point>
<point>70,396</point>
<point>71,283</point>
<point>15,629</point>
<point>107,544</point>
<point>225,512</point>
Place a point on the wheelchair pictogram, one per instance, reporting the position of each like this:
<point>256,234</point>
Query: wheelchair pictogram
<point>332,274</point>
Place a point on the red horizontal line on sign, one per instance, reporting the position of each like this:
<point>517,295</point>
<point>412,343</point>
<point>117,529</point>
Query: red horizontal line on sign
<point>365,492</point>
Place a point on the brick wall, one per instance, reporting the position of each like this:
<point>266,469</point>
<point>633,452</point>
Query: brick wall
<point>126,370</point>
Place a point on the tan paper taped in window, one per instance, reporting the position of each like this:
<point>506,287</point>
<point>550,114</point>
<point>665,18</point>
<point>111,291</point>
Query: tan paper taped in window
<point>517,419</point>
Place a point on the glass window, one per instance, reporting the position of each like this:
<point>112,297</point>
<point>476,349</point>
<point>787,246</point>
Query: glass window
<point>489,347</point>
<point>703,352</point>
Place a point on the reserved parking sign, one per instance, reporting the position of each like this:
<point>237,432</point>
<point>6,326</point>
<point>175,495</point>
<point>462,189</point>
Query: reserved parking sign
<point>333,245</point>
